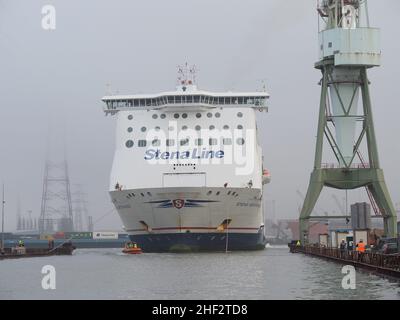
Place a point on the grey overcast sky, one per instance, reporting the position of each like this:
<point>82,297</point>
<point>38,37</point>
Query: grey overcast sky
<point>55,79</point>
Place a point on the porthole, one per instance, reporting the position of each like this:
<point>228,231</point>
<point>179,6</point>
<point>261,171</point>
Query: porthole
<point>157,128</point>
<point>240,141</point>
<point>130,117</point>
<point>209,115</point>
<point>198,115</point>
<point>217,115</point>
<point>143,129</point>
<point>212,127</point>
<point>227,141</point>
<point>163,116</point>
<point>155,116</point>
<point>130,129</point>
<point>240,115</point>
<point>129,144</point>
<point>184,128</point>
<point>226,127</point>
<point>198,128</point>
<point>184,116</point>
<point>209,193</point>
<point>240,127</point>
<point>176,115</point>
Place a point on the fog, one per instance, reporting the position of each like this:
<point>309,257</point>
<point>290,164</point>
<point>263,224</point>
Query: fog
<point>51,84</point>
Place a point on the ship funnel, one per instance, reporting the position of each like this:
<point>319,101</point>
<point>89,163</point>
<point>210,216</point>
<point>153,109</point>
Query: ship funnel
<point>344,92</point>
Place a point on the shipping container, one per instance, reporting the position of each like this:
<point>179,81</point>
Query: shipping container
<point>78,235</point>
<point>105,235</point>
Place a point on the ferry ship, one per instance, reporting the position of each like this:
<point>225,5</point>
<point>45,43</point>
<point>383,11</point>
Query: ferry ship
<point>188,172</point>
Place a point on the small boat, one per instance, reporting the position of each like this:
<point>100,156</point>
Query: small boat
<point>132,248</point>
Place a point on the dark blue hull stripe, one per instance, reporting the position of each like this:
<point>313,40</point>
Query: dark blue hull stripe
<point>199,242</point>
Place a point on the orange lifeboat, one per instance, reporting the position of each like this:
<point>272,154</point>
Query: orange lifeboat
<point>266,177</point>
<point>132,248</point>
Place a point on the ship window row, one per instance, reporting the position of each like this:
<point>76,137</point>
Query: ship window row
<point>185,115</point>
<point>184,142</point>
<point>186,99</point>
<point>185,128</point>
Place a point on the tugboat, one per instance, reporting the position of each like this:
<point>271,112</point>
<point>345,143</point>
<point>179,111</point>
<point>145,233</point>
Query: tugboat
<point>132,248</point>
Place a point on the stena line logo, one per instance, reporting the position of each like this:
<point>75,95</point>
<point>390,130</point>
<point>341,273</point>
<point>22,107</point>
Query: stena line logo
<point>153,154</point>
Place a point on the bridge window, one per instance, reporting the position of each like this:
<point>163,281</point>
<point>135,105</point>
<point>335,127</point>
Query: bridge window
<point>171,100</point>
<point>240,100</point>
<point>129,144</point>
<point>178,99</point>
<point>189,99</point>
<point>136,103</point>
<point>196,99</point>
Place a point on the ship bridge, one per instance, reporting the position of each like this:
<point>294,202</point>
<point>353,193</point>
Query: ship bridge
<point>187,97</point>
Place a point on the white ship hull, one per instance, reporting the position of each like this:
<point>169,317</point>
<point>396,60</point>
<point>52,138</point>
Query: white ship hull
<point>192,219</point>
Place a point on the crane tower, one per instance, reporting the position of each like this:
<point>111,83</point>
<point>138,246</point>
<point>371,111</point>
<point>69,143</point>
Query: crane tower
<point>348,47</point>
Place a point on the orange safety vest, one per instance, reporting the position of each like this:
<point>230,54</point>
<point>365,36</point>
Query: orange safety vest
<point>361,247</point>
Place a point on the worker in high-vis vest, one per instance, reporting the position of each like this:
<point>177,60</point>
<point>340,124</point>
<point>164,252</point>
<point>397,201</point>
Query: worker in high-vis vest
<point>360,246</point>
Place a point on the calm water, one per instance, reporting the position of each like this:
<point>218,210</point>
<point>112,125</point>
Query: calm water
<point>108,274</point>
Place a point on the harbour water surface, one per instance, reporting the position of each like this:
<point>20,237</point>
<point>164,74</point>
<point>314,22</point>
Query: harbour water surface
<point>109,274</point>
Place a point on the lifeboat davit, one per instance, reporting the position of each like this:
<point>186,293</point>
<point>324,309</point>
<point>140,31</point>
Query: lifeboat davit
<point>132,248</point>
